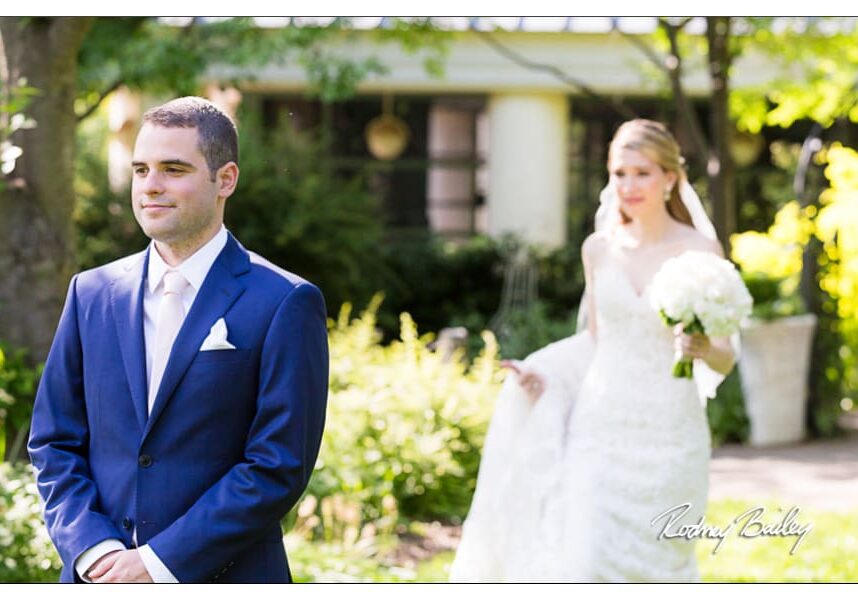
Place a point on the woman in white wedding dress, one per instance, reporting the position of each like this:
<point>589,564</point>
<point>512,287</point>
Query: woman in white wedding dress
<point>593,441</point>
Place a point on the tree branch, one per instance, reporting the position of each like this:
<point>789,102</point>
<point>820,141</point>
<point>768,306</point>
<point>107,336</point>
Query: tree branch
<point>681,24</point>
<point>520,60</point>
<point>101,96</point>
<point>648,52</point>
<point>683,103</point>
<point>5,80</point>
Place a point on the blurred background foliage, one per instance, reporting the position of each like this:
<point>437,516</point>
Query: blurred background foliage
<point>17,389</point>
<point>406,422</point>
<point>28,555</point>
<point>771,262</point>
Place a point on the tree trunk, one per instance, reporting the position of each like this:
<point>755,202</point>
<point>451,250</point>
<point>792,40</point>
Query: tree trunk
<point>722,187</point>
<point>684,105</point>
<point>36,232</point>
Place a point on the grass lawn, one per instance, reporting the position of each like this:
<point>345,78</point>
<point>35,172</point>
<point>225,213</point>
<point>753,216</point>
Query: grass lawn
<point>829,552</point>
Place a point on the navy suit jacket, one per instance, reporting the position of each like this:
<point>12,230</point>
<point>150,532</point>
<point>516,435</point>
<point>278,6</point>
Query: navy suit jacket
<point>232,437</point>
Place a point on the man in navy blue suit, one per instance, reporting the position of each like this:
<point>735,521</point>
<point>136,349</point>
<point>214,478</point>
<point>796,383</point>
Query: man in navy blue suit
<point>183,400</point>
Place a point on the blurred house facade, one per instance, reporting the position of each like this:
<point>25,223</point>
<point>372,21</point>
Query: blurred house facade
<point>507,140</point>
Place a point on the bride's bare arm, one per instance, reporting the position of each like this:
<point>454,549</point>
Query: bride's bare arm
<point>529,379</point>
<point>714,351</point>
<point>589,251</point>
<point>720,356</point>
<point>532,382</point>
<point>717,352</point>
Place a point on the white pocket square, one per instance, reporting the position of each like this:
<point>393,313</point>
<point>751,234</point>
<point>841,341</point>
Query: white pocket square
<point>216,339</point>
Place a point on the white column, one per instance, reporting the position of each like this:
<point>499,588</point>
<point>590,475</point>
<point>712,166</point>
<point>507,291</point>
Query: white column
<point>450,188</point>
<point>123,117</point>
<point>527,164</point>
<point>227,98</point>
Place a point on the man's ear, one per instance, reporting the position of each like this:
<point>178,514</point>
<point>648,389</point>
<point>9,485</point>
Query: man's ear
<point>227,179</point>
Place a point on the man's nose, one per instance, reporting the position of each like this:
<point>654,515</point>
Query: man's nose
<point>152,184</point>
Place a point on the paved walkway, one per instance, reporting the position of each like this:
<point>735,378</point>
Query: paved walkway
<point>820,474</point>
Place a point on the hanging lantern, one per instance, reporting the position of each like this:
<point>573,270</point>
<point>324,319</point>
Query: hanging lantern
<point>386,135</point>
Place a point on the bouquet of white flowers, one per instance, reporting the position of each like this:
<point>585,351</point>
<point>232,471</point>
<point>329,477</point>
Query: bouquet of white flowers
<point>703,292</point>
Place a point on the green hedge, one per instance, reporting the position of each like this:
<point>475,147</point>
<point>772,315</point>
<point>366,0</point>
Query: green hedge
<point>404,431</point>
<point>27,552</point>
<point>17,391</point>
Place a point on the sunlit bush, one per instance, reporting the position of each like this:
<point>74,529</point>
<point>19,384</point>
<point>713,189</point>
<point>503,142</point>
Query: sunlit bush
<point>17,389</point>
<point>771,261</point>
<point>27,553</point>
<point>774,258</point>
<point>837,228</point>
<point>404,430</point>
<point>778,251</point>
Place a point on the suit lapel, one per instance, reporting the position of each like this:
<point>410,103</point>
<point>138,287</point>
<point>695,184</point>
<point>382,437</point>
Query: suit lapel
<point>126,297</point>
<point>219,291</point>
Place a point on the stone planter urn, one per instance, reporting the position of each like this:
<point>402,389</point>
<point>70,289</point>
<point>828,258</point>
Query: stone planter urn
<point>774,366</point>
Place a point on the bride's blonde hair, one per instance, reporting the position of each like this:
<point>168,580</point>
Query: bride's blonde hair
<point>653,140</point>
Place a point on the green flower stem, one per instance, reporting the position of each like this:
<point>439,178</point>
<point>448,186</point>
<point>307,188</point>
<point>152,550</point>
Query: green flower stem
<point>683,368</point>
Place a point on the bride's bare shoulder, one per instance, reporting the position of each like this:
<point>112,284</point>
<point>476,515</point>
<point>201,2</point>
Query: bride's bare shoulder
<point>594,245</point>
<point>691,239</point>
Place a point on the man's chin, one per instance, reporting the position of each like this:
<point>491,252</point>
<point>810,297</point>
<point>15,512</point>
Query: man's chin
<point>157,231</point>
<point>162,237</point>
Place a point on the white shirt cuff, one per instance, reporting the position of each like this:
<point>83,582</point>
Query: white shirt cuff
<point>90,557</point>
<point>158,571</point>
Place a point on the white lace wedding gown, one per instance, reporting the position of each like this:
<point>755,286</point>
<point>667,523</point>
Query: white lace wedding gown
<point>568,487</point>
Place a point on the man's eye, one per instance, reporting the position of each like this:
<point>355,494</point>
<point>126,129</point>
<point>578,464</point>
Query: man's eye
<point>140,170</point>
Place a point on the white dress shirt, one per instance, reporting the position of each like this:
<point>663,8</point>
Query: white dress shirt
<point>194,269</point>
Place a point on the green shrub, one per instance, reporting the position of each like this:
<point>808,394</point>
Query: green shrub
<point>728,421</point>
<point>439,283</point>
<point>443,284</point>
<point>105,224</point>
<point>774,297</point>
<point>527,330</point>
<point>293,209</point>
<point>17,391</point>
<point>404,430</point>
<point>561,281</point>
<point>28,554</point>
<point>465,291</point>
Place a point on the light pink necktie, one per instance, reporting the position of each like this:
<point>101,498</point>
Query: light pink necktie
<point>171,313</point>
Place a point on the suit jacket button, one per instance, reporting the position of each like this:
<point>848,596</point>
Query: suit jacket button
<point>145,461</point>
<point>126,523</point>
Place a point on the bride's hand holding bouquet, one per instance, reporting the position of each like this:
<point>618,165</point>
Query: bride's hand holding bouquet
<point>702,295</point>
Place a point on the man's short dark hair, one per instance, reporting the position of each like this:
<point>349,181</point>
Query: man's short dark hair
<point>217,134</point>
